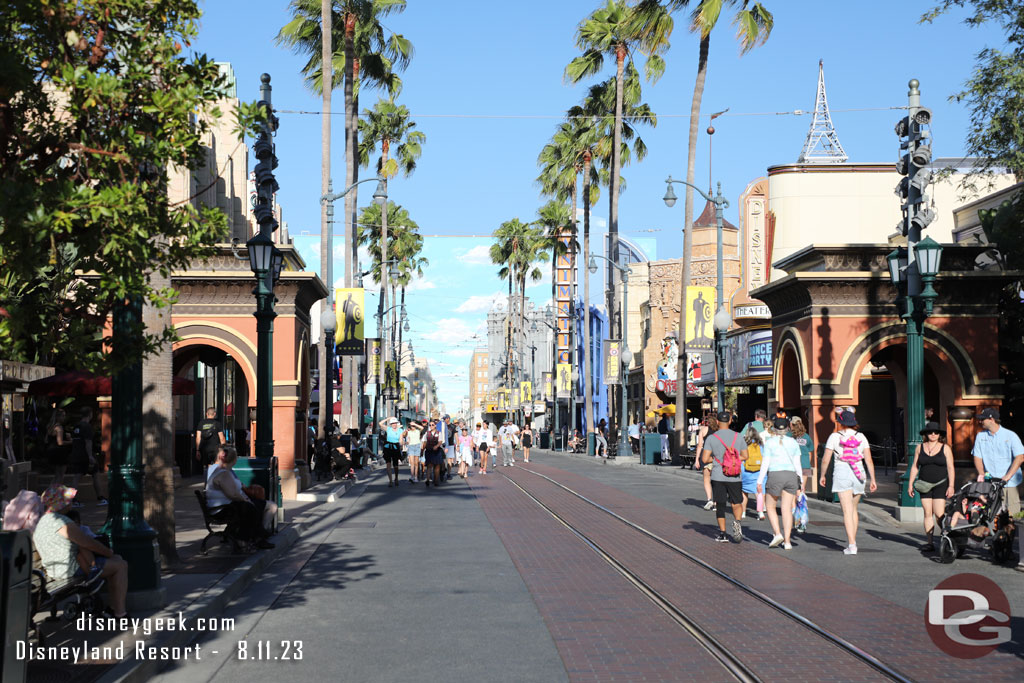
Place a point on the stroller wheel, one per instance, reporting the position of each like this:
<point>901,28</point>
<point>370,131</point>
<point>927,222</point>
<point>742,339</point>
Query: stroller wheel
<point>948,550</point>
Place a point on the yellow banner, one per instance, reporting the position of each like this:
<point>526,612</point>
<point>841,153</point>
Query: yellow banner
<point>390,378</point>
<point>348,332</point>
<point>526,392</point>
<point>564,380</point>
<point>700,313</point>
<point>404,396</point>
<point>373,360</point>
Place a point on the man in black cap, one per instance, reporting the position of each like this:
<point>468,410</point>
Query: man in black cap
<point>726,489</point>
<point>998,452</point>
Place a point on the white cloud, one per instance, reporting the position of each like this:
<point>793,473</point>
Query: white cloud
<point>479,255</point>
<point>458,353</point>
<point>479,303</point>
<point>420,284</point>
<point>596,222</point>
<point>450,330</point>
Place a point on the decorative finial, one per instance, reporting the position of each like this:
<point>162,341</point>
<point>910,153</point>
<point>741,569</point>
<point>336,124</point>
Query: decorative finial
<point>265,79</point>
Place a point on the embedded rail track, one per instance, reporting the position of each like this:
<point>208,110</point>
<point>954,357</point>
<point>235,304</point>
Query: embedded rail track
<point>730,660</point>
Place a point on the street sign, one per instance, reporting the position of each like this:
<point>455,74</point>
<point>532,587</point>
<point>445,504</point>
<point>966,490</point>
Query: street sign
<point>691,388</point>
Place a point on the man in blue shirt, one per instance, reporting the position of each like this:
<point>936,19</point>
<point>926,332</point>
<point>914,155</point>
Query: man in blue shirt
<point>999,452</point>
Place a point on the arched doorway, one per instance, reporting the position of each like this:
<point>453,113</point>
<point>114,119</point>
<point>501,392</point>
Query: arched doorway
<point>221,383</point>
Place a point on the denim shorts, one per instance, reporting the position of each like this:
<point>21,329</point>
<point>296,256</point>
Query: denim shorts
<point>96,568</point>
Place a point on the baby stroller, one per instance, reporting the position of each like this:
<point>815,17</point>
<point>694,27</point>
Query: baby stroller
<point>980,523</point>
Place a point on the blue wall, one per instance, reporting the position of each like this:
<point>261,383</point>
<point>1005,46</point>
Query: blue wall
<point>598,331</point>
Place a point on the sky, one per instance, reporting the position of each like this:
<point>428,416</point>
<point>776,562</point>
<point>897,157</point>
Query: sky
<point>486,87</point>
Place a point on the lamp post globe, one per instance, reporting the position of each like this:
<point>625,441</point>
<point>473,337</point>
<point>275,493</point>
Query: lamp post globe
<point>328,321</point>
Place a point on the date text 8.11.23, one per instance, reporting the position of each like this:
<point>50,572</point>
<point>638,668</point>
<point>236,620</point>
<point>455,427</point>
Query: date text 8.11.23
<point>287,650</point>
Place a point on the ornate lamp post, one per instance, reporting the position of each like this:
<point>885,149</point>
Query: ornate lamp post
<point>328,324</point>
<point>916,309</point>
<point>262,261</point>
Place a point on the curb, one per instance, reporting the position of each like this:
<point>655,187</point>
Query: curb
<point>216,598</point>
<point>865,514</point>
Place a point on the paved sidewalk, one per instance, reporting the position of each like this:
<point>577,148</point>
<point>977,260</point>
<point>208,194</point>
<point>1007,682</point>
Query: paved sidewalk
<point>198,586</point>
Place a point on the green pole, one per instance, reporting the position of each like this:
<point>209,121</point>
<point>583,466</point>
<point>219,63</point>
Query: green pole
<point>265,314</point>
<point>915,392</point>
<point>130,536</point>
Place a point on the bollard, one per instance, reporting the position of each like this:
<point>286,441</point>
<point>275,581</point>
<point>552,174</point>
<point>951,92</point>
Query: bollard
<point>15,598</point>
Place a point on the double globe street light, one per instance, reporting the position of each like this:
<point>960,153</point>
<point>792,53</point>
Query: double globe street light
<point>626,357</point>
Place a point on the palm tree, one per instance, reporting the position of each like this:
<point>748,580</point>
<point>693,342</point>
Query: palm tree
<point>754,24</point>
<point>389,124</point>
<point>617,30</point>
<point>554,218</point>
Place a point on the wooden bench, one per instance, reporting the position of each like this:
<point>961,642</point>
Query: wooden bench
<point>222,519</point>
<point>70,597</point>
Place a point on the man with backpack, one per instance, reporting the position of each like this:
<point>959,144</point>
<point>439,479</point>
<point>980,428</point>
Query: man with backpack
<point>726,451</point>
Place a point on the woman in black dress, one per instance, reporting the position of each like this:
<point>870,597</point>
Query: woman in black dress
<point>435,454</point>
<point>527,441</point>
<point>932,470</point>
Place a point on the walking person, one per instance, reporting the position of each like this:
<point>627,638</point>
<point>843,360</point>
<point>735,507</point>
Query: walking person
<point>527,439</point>
<point>601,439</point>
<point>853,454</point>
<point>780,478</point>
<point>482,440</point>
<point>634,437</point>
<point>58,445</point>
<point>209,438</point>
<point>803,440</point>
<point>707,427</point>
<point>82,461</point>
<point>434,448</point>
<point>507,442</point>
<point>932,467</point>
<point>413,437</point>
<point>752,466</point>
<point>725,450</point>
<point>998,452</point>
<point>465,446</point>
<point>447,431</point>
<point>664,429</point>
<point>392,448</point>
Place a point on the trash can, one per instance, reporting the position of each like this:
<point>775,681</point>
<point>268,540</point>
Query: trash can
<point>262,471</point>
<point>591,443</point>
<point>15,598</point>
<point>650,450</point>
<point>545,440</point>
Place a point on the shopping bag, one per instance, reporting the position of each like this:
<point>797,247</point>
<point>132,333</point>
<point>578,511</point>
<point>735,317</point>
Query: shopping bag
<point>800,513</point>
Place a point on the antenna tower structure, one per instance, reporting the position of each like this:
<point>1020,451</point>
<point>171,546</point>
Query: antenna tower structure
<point>822,145</point>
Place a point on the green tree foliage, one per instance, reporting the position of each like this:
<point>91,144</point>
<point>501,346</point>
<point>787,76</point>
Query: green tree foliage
<point>994,94</point>
<point>97,102</point>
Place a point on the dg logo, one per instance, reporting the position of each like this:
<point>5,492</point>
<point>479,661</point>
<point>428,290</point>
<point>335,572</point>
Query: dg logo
<point>967,616</point>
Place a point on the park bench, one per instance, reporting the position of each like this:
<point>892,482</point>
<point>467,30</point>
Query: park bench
<point>70,597</point>
<point>221,518</point>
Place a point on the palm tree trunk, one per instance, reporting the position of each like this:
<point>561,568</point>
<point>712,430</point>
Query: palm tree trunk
<point>691,160</point>
<point>522,331</point>
<point>573,289</point>
<point>388,352</point>
<point>350,392</point>
<point>326,86</point>
<point>588,403</point>
<point>615,329</point>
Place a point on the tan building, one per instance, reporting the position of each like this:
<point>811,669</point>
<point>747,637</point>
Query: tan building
<point>479,382</point>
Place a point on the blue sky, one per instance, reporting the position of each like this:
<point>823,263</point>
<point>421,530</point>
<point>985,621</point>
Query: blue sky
<point>486,88</point>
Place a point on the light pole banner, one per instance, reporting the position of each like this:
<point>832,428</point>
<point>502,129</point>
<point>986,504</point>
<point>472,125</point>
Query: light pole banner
<point>546,380</point>
<point>564,380</point>
<point>373,360</point>
<point>700,333</point>
<point>515,397</point>
<point>613,361</point>
<point>526,392</point>
<point>390,380</point>
<point>502,400</point>
<point>348,336</point>
<point>404,395</point>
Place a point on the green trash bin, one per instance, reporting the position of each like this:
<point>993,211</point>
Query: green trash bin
<point>650,451</point>
<point>591,443</point>
<point>15,598</point>
<point>545,440</point>
<point>262,471</point>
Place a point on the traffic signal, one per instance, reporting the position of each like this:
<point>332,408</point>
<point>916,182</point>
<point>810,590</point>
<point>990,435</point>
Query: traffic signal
<point>914,132</point>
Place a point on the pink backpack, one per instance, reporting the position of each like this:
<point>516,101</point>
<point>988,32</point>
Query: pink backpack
<point>731,461</point>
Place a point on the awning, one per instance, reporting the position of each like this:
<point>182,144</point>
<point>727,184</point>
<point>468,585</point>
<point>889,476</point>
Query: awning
<point>81,383</point>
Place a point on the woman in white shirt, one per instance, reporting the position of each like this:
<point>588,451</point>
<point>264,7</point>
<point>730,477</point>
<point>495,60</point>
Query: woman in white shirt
<point>853,455</point>
<point>780,478</point>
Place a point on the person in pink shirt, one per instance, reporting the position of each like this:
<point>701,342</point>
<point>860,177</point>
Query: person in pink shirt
<point>464,444</point>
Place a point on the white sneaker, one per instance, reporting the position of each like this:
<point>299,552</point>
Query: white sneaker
<point>709,505</point>
<point>744,515</point>
<point>850,550</point>
<point>776,541</point>
<point>787,546</point>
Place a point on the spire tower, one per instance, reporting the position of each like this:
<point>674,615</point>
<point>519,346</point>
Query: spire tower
<point>822,144</point>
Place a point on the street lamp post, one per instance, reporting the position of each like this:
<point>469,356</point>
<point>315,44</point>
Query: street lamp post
<point>328,323</point>
<point>721,203</point>
<point>916,309</point>
<point>627,355</point>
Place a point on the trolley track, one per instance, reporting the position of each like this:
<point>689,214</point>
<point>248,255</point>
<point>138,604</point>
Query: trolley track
<point>733,663</point>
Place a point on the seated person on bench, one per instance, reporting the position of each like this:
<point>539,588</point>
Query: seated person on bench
<point>66,550</point>
<point>253,517</point>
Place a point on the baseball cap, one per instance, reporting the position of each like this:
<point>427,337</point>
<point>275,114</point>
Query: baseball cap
<point>989,413</point>
<point>725,416</point>
<point>781,423</point>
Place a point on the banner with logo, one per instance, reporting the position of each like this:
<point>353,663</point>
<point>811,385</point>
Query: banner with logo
<point>403,396</point>
<point>700,314</point>
<point>526,392</point>
<point>348,330</point>
<point>373,360</point>
<point>564,380</point>
<point>502,400</point>
<point>613,361</point>
<point>390,380</point>
<point>546,381</point>
<point>515,397</point>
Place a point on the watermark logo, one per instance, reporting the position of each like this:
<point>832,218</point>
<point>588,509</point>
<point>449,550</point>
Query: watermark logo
<point>967,616</point>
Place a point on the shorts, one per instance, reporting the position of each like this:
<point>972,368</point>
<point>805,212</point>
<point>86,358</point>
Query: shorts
<point>413,450</point>
<point>450,452</point>
<point>937,492</point>
<point>709,466</point>
<point>482,447</point>
<point>843,478</point>
<point>750,482</point>
<point>435,457</point>
<point>782,480</point>
<point>96,568</point>
<point>392,453</point>
<point>726,492</point>
<point>466,456</point>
